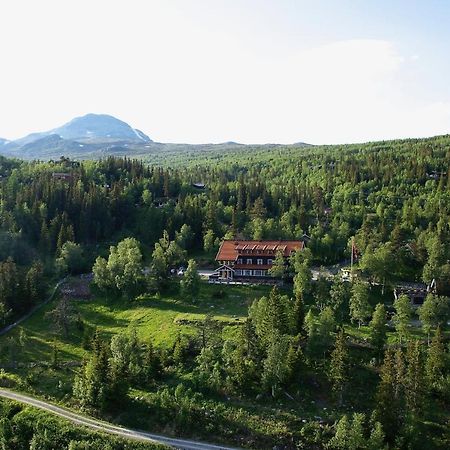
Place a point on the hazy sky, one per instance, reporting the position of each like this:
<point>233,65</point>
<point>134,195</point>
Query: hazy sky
<point>251,71</point>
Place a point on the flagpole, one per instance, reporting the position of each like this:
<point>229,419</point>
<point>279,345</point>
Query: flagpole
<point>351,258</point>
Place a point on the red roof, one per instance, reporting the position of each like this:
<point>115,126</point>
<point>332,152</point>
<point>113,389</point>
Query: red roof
<point>230,249</point>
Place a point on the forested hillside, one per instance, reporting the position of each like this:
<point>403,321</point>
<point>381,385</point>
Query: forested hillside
<point>393,197</point>
<point>308,365</point>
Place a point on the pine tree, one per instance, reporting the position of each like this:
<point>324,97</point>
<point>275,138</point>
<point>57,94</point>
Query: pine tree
<point>376,439</point>
<point>359,303</point>
<point>299,314</point>
<point>339,295</point>
<point>400,373</point>
<point>340,440</point>
<point>242,358</point>
<point>322,293</point>
<point>44,239</point>
<point>34,283</point>
<point>387,404</point>
<point>93,385</point>
<point>414,383</point>
<point>294,363</point>
<point>436,362</point>
<point>209,241</point>
<point>65,234</point>
<point>434,312</point>
<point>151,363</point>
<point>402,317</point>
<point>270,315</point>
<point>310,325</point>
<point>378,331</point>
<point>338,372</point>
<point>356,438</point>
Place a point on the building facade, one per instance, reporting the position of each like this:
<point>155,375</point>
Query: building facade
<point>242,260</point>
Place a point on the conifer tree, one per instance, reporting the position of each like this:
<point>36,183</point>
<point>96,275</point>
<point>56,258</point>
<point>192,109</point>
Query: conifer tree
<point>356,438</point>
<point>151,364</point>
<point>338,372</point>
<point>340,440</point>
<point>414,380</point>
<point>339,296</point>
<point>402,317</point>
<point>387,404</point>
<point>435,366</point>
<point>34,283</point>
<point>400,374</point>
<point>359,303</point>
<point>378,331</point>
<point>294,363</point>
<point>376,439</point>
<point>310,324</point>
<point>434,312</point>
<point>299,314</point>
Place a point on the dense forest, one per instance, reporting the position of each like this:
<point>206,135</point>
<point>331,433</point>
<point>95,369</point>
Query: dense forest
<point>327,342</point>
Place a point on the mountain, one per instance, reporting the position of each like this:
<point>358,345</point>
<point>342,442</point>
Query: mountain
<point>99,127</point>
<point>89,136</point>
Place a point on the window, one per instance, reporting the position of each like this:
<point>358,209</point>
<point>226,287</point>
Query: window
<point>249,261</point>
<point>270,261</point>
<point>257,273</point>
<point>259,261</point>
<point>263,273</point>
<point>238,272</point>
<point>247,272</point>
<point>239,261</point>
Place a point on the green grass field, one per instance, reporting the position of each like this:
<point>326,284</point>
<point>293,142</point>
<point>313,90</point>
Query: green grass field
<point>157,318</point>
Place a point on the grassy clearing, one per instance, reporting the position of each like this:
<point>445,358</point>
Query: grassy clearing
<point>157,318</point>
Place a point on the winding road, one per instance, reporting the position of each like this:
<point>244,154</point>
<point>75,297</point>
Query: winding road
<point>105,427</point>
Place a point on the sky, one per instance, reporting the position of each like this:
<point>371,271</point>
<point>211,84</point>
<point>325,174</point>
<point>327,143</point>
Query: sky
<point>251,71</point>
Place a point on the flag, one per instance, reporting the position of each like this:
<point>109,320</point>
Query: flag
<point>355,252</point>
